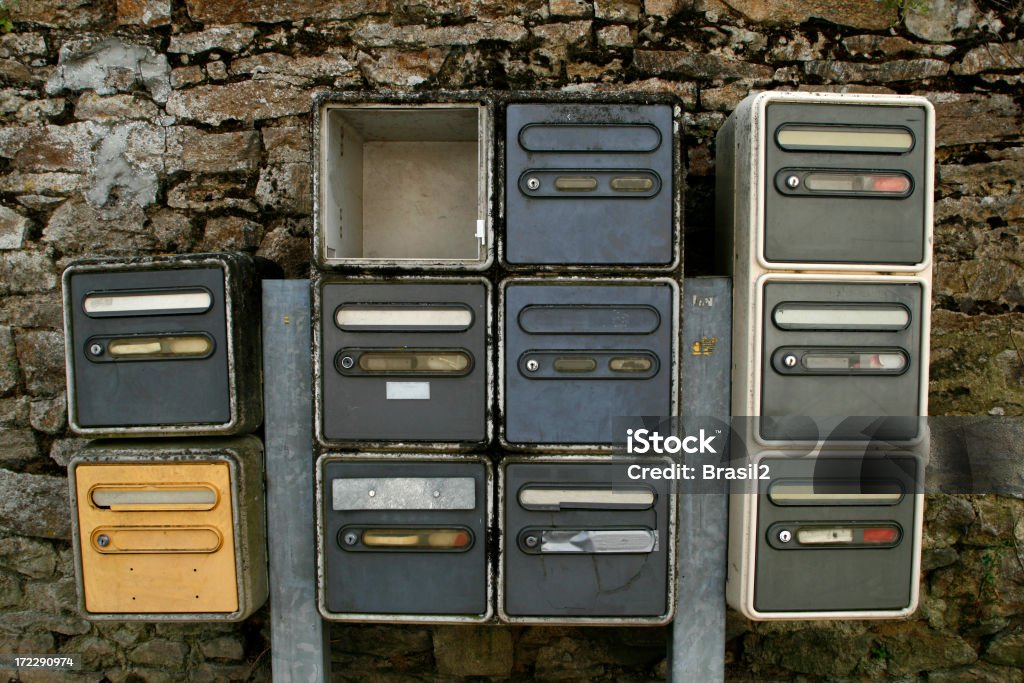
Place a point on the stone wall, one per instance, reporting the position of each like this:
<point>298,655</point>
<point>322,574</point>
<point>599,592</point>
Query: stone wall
<point>150,126</point>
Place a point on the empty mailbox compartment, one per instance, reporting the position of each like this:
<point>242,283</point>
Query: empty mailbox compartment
<point>577,354</point>
<point>403,184</point>
<point>591,184</point>
<point>403,361</point>
<point>842,360</point>
<point>584,543</point>
<point>163,345</point>
<point>404,540</point>
<point>170,531</point>
<point>830,536</point>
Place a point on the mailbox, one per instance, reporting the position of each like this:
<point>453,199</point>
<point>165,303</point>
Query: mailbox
<point>827,181</point>
<point>403,361</point>
<point>842,360</point>
<point>833,536</point>
<point>404,539</point>
<point>169,531</point>
<point>584,543</point>
<point>403,181</point>
<point>163,345</point>
<point>577,354</point>
<point>591,184</point>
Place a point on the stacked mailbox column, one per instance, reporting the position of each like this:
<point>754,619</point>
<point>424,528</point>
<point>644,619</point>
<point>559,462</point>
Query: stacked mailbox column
<point>163,359</point>
<point>825,223</point>
<point>497,282</point>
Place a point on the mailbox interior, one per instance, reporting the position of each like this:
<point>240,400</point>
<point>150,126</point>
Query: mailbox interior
<point>403,183</point>
<point>404,581</point>
<point>598,225</point>
<point>584,585</point>
<point>851,407</point>
<point>834,578</point>
<point>804,227</point>
<point>595,320</point>
<point>401,407</point>
<point>162,391</point>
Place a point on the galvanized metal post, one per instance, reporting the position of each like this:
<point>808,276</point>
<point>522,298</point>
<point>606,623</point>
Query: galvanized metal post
<point>298,635</point>
<point>698,632</point>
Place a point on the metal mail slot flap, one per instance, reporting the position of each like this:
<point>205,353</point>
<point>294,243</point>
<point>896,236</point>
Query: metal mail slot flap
<point>584,319</point>
<point>155,497</point>
<point>866,317</point>
<point>152,539</point>
<point>404,493</point>
<point>835,492</point>
<point>358,317</point>
<point>577,137</point>
<point>837,138</point>
<point>147,302</point>
<point>589,541</point>
<point>619,497</point>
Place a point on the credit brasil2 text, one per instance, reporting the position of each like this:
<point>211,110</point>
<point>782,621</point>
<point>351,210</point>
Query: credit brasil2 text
<point>678,471</point>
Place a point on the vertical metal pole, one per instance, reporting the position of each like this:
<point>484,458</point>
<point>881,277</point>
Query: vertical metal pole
<point>298,637</point>
<point>698,632</point>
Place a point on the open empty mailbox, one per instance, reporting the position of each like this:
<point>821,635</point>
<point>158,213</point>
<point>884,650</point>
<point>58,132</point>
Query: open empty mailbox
<point>583,543</point>
<point>404,540</point>
<point>170,531</point>
<point>163,345</point>
<point>827,537</point>
<point>403,184</point>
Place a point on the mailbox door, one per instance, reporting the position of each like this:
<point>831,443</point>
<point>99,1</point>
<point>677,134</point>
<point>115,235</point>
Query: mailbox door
<point>156,538</point>
<point>601,542</point>
<point>589,184</point>
<point>162,341</point>
<point>405,538</point>
<point>846,183</point>
<point>852,534</point>
<point>576,335</point>
<point>417,357</point>
<point>855,351</point>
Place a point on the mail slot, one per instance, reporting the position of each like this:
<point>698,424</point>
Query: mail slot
<point>404,540</point>
<point>579,354</point>
<point>842,360</point>
<point>403,182</point>
<point>171,530</point>
<point>811,181</point>
<point>591,184</point>
<point>827,537</point>
<point>584,543</point>
<point>163,345</point>
<point>403,361</point>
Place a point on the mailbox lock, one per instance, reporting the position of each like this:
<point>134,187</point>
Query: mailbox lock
<point>351,538</point>
<point>793,182</point>
<point>96,349</point>
<point>532,365</point>
<point>103,540</point>
<point>531,541</point>
<point>785,536</point>
<point>532,183</point>
<point>347,362</point>
<point>790,361</point>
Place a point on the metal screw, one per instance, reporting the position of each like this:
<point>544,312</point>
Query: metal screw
<point>103,540</point>
<point>785,536</point>
<point>532,365</point>
<point>347,362</point>
<point>790,361</point>
<point>371,493</point>
<point>531,541</point>
<point>96,349</point>
<point>437,494</point>
<point>532,183</point>
<point>351,538</point>
<point>793,182</point>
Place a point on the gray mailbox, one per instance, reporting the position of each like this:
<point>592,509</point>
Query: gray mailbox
<point>842,360</point>
<point>827,537</point>
<point>585,543</point>
<point>403,361</point>
<point>578,354</point>
<point>404,540</point>
<point>590,184</point>
<point>163,345</point>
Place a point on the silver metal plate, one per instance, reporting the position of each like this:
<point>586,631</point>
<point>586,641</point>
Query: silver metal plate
<point>404,493</point>
<point>598,541</point>
<point>406,391</point>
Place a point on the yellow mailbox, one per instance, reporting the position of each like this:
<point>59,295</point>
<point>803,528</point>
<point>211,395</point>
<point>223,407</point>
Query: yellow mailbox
<point>170,531</point>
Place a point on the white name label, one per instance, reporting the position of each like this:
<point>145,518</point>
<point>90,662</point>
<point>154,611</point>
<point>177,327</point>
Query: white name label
<point>406,391</point>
